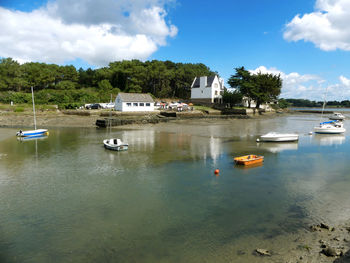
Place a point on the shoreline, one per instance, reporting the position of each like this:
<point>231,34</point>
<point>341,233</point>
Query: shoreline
<point>88,119</point>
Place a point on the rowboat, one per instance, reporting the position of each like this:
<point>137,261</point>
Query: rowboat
<point>115,144</point>
<point>249,159</point>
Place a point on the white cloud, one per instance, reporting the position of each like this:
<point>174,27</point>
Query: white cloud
<point>326,27</point>
<point>96,31</point>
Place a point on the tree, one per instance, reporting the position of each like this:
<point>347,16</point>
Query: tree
<point>259,87</point>
<point>232,97</point>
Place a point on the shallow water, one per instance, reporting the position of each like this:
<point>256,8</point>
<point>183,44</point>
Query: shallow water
<point>66,199</point>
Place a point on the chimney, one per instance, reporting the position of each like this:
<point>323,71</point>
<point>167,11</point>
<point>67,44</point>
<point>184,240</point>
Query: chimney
<point>203,81</point>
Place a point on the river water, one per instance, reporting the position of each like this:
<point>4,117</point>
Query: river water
<point>67,199</point>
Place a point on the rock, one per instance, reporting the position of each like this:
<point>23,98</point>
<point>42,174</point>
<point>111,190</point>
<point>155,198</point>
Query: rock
<point>345,240</point>
<point>323,246</point>
<point>321,241</point>
<point>324,226</point>
<point>262,252</point>
<point>348,228</point>
<point>331,252</point>
<point>336,239</point>
<point>313,228</point>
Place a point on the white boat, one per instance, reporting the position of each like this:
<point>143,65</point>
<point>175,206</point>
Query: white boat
<point>337,116</point>
<point>330,127</point>
<point>35,132</point>
<point>278,137</point>
<point>115,144</point>
<point>32,133</point>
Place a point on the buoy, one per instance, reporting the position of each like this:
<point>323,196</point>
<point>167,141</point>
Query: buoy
<point>217,171</point>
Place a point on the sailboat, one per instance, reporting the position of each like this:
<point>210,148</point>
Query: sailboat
<point>329,127</point>
<point>36,132</point>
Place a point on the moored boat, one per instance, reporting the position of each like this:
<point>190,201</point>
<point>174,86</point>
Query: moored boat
<point>32,133</point>
<point>35,132</point>
<point>337,116</point>
<point>249,159</point>
<point>278,137</point>
<point>330,127</point>
<point>115,144</point>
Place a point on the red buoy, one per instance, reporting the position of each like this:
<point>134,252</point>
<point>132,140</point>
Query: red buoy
<point>217,171</point>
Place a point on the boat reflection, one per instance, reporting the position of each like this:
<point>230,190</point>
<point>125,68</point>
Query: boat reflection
<point>32,138</point>
<point>329,139</point>
<point>244,167</point>
<point>278,147</point>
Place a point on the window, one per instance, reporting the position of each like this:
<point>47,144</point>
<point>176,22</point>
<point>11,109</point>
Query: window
<point>148,104</point>
<point>135,104</point>
<point>142,104</point>
<point>128,104</point>
<point>216,92</point>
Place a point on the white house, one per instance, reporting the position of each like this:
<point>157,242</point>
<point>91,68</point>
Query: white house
<point>265,106</point>
<point>207,89</point>
<point>134,102</point>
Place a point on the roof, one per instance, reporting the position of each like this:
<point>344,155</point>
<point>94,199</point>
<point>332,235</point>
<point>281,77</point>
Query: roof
<point>135,97</point>
<point>210,80</point>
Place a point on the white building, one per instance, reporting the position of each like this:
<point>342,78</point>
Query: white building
<point>134,102</point>
<point>266,106</point>
<point>207,89</point>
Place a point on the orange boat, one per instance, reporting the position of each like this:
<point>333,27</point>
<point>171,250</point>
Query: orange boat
<point>249,159</point>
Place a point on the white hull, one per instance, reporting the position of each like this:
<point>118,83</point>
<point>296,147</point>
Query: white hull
<point>331,130</point>
<point>278,137</point>
<point>32,133</point>
<point>115,145</point>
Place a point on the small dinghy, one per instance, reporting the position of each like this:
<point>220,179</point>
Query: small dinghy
<point>249,159</point>
<point>32,133</point>
<point>115,144</point>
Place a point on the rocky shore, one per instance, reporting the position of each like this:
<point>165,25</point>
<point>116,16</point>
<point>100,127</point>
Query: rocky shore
<point>83,118</point>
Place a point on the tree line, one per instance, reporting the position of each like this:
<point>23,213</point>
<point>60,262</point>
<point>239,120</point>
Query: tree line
<point>308,103</point>
<point>54,84</point>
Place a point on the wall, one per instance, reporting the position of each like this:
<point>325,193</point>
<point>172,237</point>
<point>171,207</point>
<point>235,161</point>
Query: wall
<point>125,107</point>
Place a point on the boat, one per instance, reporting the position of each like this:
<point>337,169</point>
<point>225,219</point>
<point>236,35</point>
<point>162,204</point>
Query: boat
<point>249,159</point>
<point>337,116</point>
<point>115,144</point>
<point>35,132</point>
<point>330,127</point>
<point>278,137</point>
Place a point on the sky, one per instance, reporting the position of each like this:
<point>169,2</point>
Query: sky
<point>307,42</point>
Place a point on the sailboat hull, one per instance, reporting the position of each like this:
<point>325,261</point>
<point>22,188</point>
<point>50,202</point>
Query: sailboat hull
<point>31,133</point>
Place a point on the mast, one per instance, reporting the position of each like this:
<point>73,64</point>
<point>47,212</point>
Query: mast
<point>324,103</point>
<point>33,108</point>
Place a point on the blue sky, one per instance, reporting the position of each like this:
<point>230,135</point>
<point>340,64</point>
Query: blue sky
<point>306,41</point>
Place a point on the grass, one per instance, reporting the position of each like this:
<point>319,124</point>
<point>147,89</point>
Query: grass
<point>202,108</point>
<point>26,107</point>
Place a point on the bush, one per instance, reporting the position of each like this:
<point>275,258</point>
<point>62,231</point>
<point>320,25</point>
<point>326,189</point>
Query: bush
<point>19,109</point>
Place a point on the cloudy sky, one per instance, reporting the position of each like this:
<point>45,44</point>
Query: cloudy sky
<point>306,41</point>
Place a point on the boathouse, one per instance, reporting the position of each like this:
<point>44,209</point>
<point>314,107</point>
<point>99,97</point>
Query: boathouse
<point>207,89</point>
<point>134,102</point>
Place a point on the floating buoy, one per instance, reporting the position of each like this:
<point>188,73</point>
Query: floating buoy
<point>217,171</point>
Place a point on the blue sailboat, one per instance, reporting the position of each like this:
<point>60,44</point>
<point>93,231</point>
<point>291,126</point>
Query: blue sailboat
<point>35,132</point>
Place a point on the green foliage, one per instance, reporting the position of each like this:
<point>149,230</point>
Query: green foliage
<point>19,109</point>
<point>282,103</point>
<point>258,87</point>
<point>232,97</point>
<point>303,103</point>
<point>55,84</point>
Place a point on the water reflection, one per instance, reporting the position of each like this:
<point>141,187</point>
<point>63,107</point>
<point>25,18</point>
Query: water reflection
<point>278,147</point>
<point>329,139</point>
